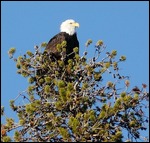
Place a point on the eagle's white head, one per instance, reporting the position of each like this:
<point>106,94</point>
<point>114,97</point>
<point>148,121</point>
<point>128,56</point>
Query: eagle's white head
<point>69,26</point>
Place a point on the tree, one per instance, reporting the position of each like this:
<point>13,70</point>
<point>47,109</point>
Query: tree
<point>71,102</point>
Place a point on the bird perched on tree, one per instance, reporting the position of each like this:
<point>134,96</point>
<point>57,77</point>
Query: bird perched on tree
<point>67,34</point>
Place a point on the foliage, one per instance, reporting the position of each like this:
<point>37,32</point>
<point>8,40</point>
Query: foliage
<point>71,102</point>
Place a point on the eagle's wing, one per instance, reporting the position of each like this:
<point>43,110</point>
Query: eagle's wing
<point>52,44</point>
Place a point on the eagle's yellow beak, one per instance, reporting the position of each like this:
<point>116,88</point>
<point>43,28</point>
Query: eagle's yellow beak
<point>76,24</point>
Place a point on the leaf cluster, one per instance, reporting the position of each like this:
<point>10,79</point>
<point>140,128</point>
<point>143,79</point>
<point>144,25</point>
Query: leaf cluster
<point>70,102</point>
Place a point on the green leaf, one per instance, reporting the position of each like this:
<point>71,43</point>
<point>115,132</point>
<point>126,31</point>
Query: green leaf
<point>122,58</point>
<point>44,44</point>
<point>88,42</point>
<point>63,132</point>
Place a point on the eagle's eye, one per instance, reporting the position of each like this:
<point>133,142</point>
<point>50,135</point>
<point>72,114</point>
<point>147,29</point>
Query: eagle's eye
<point>70,22</point>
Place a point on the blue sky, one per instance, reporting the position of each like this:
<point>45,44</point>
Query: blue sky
<point>123,26</point>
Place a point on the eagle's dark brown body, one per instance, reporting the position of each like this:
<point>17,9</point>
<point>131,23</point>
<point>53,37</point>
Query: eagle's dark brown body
<point>71,40</point>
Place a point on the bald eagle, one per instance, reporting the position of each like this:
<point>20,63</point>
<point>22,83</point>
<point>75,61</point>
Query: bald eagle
<point>68,34</point>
